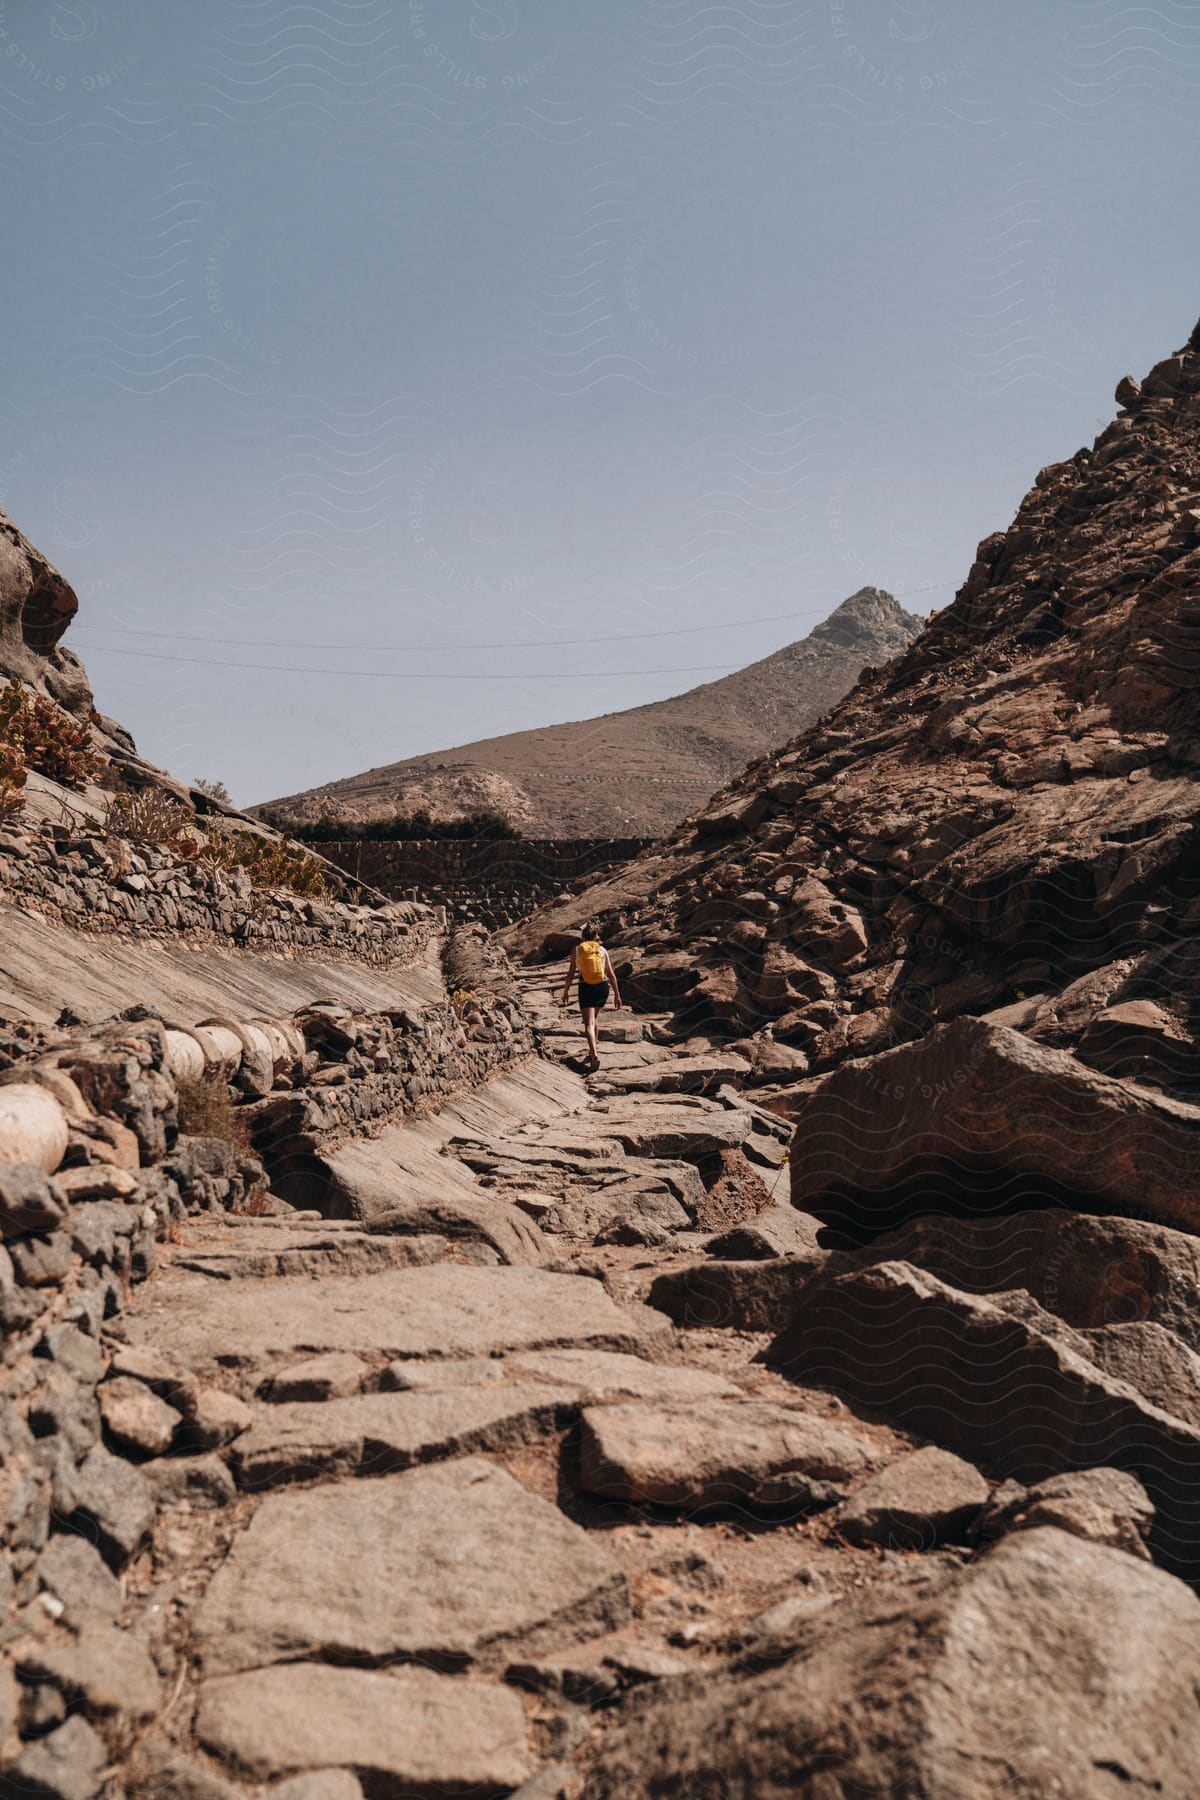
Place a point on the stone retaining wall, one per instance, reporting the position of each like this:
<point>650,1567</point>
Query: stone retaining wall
<point>82,880</point>
<point>492,880</point>
<point>93,1171</point>
<point>366,1068</point>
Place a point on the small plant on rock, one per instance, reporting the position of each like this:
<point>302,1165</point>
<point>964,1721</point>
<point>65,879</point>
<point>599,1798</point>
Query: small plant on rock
<point>37,734</point>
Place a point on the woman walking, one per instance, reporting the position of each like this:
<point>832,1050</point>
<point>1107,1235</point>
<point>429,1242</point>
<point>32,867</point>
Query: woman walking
<point>591,961</point>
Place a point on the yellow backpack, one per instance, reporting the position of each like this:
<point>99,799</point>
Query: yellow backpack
<point>590,963</point>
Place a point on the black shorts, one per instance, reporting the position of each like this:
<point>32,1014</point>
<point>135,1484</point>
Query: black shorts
<point>592,993</point>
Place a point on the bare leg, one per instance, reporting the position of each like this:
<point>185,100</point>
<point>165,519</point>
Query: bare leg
<point>589,1031</point>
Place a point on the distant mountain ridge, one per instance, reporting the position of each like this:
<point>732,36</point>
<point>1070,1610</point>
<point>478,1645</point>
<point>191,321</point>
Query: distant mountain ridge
<point>634,773</point>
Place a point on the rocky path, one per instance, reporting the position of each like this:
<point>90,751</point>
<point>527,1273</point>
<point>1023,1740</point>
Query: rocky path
<point>457,1512</point>
<point>444,1513</point>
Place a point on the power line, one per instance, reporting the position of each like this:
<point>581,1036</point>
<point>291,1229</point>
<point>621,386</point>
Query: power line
<point>618,637</point>
<point>205,662</point>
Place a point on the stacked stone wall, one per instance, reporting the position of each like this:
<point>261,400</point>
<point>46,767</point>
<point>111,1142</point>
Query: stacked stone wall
<point>94,1172</point>
<point>494,881</point>
<point>80,878</point>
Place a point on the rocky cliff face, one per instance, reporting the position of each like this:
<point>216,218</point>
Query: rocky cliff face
<point>36,606</point>
<point>999,823</point>
<point>631,774</point>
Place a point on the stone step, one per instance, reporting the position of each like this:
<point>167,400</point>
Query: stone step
<point>456,1566</point>
<point>349,1253</point>
<point>402,1731</point>
<point>442,1311</point>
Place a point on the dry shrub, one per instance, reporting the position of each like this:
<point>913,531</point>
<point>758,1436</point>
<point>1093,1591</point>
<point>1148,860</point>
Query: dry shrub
<point>204,1109</point>
<point>269,864</point>
<point>215,790</point>
<point>152,816</point>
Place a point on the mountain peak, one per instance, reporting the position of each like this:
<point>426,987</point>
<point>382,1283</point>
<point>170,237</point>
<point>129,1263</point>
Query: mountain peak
<point>871,612</point>
<point>633,773</point>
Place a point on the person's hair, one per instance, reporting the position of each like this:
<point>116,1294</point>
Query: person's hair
<point>589,933</point>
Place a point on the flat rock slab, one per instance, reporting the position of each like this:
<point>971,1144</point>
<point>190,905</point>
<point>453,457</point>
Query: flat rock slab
<point>587,1157</point>
<point>47,966</point>
<point>613,1031</point>
<point>717,1452</point>
<point>343,1253</point>
<point>444,1311</point>
<point>684,1127</point>
<point>915,1503</point>
<point>667,1074</point>
<point>453,1566</point>
<point>331,1377</point>
<point>503,1227</point>
<point>585,1215</point>
<point>377,1434</point>
<point>569,1148</point>
<point>404,1731</point>
<point>373,1175</point>
<point>603,1375</point>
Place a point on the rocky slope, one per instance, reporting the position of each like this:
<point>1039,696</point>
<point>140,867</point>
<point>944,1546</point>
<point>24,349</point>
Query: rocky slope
<point>631,774</point>
<point>1001,823</point>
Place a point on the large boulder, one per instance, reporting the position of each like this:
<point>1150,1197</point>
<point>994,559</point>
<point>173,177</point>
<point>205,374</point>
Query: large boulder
<point>717,1453</point>
<point>1049,1666</point>
<point>1106,1506</point>
<point>999,1379</point>
<point>1092,1272</point>
<point>926,1496</point>
<point>974,1116</point>
<point>1152,1360</point>
<point>36,606</point>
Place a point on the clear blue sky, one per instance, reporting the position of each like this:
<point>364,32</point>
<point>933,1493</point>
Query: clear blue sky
<point>356,338</point>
